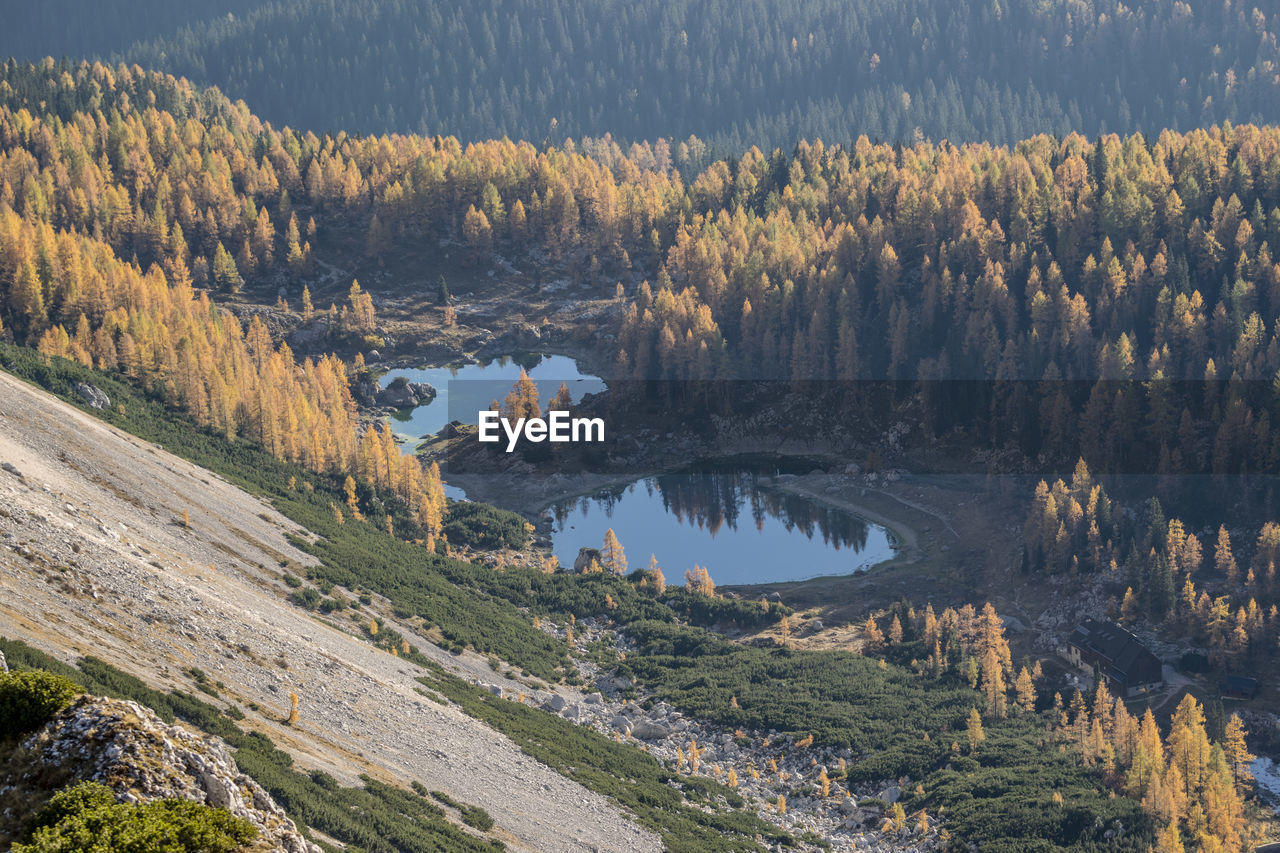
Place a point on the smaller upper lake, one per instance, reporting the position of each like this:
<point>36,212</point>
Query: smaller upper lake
<point>466,389</point>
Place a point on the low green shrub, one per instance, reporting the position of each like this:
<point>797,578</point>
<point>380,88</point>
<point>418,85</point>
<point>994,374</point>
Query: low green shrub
<point>308,598</point>
<point>484,526</point>
<point>28,700</point>
<point>87,817</point>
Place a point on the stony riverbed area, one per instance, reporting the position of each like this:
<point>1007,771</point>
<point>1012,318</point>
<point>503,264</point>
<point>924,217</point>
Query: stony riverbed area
<point>858,817</point>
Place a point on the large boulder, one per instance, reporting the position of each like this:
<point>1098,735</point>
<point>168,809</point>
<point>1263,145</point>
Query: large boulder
<point>584,558</point>
<point>94,397</point>
<point>614,683</point>
<point>424,391</point>
<point>649,730</point>
<point>398,395</point>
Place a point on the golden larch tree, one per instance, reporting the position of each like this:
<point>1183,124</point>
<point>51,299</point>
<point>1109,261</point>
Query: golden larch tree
<point>973,727</point>
<point>612,555</point>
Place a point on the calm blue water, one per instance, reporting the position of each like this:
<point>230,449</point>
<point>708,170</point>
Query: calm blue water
<point>466,389</point>
<point>730,518</point>
<point>730,521</point>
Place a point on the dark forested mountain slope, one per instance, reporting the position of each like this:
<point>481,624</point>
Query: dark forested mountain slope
<point>731,73</point>
<point>79,29</point>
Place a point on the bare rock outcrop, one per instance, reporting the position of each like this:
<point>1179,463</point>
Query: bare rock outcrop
<point>128,748</point>
<point>94,397</point>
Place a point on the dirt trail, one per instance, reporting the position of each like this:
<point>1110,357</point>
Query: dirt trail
<point>95,559</point>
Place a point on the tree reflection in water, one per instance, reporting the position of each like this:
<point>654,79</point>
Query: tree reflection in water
<point>727,500</point>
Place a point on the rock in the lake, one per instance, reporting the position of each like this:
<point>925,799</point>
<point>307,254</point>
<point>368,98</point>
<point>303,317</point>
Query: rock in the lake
<point>424,391</point>
<point>397,395</point>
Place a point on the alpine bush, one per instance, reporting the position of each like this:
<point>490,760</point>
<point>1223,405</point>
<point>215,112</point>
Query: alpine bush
<point>28,700</point>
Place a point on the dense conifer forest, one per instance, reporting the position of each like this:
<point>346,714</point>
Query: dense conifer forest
<point>1139,262</point>
<point>731,74</point>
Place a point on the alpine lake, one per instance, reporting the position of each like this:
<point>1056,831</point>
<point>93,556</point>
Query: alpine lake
<point>735,517</point>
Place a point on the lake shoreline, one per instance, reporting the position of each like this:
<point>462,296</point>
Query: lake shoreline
<point>907,524</point>
<point>868,498</point>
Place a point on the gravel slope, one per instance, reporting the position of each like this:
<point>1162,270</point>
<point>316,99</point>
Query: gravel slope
<point>94,559</point>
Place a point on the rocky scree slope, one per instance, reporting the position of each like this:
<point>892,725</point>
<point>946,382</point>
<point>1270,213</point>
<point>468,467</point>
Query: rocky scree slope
<point>128,748</point>
<point>96,560</point>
